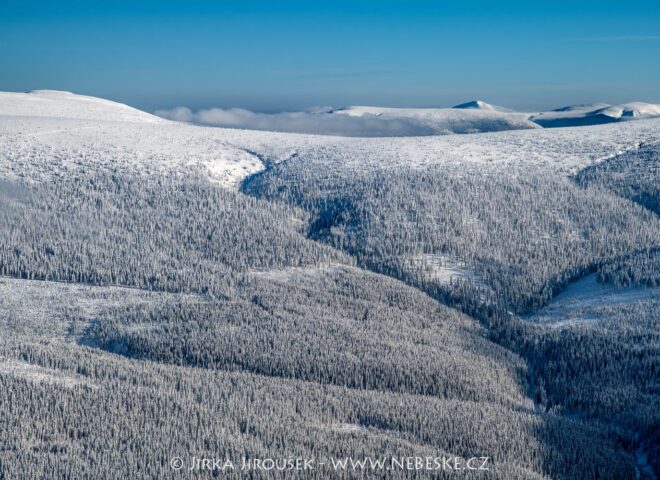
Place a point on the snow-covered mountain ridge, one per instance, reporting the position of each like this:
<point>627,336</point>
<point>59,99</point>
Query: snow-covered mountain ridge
<point>47,133</point>
<point>59,104</point>
<point>596,114</point>
<point>478,116</point>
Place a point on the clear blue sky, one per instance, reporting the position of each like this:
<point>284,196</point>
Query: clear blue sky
<point>272,55</point>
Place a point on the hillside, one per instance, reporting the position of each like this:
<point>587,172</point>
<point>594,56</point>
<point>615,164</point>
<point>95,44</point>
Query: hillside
<point>245,293</point>
<point>596,114</point>
<point>477,116</point>
<point>58,104</point>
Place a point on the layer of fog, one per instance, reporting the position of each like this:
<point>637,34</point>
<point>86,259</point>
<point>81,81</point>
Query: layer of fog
<point>320,122</point>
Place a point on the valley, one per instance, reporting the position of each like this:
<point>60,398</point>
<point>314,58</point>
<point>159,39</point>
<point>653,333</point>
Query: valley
<point>183,290</point>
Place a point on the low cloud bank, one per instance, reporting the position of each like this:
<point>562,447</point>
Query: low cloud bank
<point>320,123</point>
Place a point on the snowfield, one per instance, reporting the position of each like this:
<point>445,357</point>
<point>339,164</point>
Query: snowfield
<point>596,114</point>
<point>46,133</point>
<point>37,374</point>
<point>42,309</point>
<point>53,103</point>
<point>587,300</point>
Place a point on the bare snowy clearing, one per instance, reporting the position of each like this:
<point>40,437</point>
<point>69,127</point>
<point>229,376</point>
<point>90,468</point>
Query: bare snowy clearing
<point>587,300</point>
<point>38,374</point>
<point>292,274</point>
<point>43,309</point>
<point>443,269</point>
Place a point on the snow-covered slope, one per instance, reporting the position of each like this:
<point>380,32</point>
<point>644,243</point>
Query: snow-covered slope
<point>596,114</point>
<point>586,300</point>
<point>560,151</point>
<point>46,133</point>
<point>53,103</point>
<point>477,116</point>
<point>481,105</point>
<point>630,110</point>
<point>471,117</point>
<point>54,133</point>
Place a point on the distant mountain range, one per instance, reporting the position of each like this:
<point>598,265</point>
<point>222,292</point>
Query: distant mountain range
<point>478,116</point>
<point>475,116</point>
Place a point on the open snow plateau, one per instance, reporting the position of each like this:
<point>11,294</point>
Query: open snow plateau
<point>46,133</point>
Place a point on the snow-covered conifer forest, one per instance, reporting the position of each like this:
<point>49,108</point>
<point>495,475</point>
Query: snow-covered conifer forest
<point>489,287</point>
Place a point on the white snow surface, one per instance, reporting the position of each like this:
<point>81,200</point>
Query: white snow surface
<point>38,374</point>
<point>631,110</point>
<point>53,103</point>
<point>596,113</point>
<point>583,301</point>
<point>46,134</point>
<point>60,311</point>
<point>443,269</point>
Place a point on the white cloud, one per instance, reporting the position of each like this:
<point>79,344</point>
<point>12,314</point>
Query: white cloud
<point>321,123</point>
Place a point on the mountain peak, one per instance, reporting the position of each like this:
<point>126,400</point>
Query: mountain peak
<point>478,104</point>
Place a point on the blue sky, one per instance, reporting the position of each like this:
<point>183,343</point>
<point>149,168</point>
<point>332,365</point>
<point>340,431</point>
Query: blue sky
<point>270,55</point>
